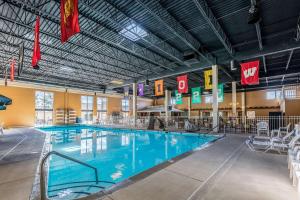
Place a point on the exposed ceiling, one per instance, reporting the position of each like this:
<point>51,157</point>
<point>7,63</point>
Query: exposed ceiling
<point>159,34</point>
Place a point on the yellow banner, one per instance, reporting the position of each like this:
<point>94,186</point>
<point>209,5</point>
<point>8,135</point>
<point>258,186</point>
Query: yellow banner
<point>159,87</point>
<point>208,79</point>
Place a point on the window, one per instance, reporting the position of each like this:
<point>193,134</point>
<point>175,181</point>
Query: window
<point>101,108</point>
<point>208,99</point>
<point>290,93</point>
<point>87,109</point>
<point>173,101</point>
<point>273,94</point>
<point>43,108</point>
<point>125,105</point>
<point>133,32</point>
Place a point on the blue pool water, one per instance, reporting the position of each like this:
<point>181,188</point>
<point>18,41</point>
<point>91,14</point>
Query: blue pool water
<point>118,154</point>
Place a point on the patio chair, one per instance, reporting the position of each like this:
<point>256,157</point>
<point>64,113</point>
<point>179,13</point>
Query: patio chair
<point>263,129</point>
<point>282,130</point>
<point>274,142</point>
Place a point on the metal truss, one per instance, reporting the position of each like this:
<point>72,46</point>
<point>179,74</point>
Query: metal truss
<point>214,24</point>
<point>102,44</point>
<point>121,20</point>
<point>160,14</point>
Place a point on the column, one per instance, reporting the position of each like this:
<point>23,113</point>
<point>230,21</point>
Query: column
<point>243,105</point>
<point>215,98</point>
<point>234,98</point>
<point>244,119</point>
<point>134,104</point>
<point>167,104</point>
<point>189,107</point>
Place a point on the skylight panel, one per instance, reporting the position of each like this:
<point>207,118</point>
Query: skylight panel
<point>133,32</point>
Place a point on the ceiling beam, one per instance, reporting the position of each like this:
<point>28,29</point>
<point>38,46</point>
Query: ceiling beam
<point>113,17</point>
<point>258,29</point>
<point>114,39</point>
<point>164,17</point>
<point>214,24</point>
<point>240,56</point>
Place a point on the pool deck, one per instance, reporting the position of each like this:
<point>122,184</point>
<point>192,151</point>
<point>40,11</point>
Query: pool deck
<point>225,170</point>
<point>20,151</point>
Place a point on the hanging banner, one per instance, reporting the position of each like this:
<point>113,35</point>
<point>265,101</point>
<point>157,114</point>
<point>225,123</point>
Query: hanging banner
<point>221,92</point>
<point>36,56</point>
<point>126,92</point>
<point>178,98</point>
<point>159,87</point>
<point>69,24</point>
<point>12,70</point>
<point>182,82</point>
<point>196,95</point>
<point>250,73</point>
<point>208,79</point>
<point>140,89</point>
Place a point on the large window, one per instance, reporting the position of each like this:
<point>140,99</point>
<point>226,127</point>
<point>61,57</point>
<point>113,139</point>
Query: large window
<point>125,108</point>
<point>273,94</point>
<point>87,109</point>
<point>102,108</point>
<point>208,99</point>
<point>43,108</point>
<point>290,93</point>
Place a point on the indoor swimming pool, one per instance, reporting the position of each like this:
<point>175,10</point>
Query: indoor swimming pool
<point>118,154</point>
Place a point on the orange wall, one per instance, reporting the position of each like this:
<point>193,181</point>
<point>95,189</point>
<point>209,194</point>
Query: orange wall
<point>22,110</point>
<point>292,107</point>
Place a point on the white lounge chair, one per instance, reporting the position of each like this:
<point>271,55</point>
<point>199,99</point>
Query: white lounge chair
<point>262,129</point>
<point>274,142</point>
<point>282,131</point>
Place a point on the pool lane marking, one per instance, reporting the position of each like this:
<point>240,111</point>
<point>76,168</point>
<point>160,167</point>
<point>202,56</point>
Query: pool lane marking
<point>13,148</point>
<point>215,172</point>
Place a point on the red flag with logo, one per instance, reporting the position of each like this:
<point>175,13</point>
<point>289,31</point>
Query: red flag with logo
<point>250,73</point>
<point>69,24</point>
<point>182,84</point>
<point>36,49</point>
<point>12,70</point>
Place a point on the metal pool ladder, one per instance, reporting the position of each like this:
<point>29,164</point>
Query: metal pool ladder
<point>42,175</point>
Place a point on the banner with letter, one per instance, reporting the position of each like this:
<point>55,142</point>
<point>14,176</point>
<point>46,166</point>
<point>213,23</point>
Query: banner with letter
<point>182,82</point>
<point>250,73</point>
<point>208,79</point>
<point>140,89</point>
<point>221,92</point>
<point>69,23</point>
<point>196,95</point>
<point>178,98</point>
<point>159,87</point>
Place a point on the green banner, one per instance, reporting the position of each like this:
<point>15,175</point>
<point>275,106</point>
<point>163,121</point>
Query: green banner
<point>221,92</point>
<point>196,95</point>
<point>178,97</point>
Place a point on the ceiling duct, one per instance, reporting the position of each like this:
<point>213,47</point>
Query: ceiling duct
<point>254,13</point>
<point>191,57</point>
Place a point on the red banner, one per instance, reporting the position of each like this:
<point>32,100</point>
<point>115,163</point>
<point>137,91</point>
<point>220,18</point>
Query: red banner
<point>182,84</point>
<point>36,49</point>
<point>250,73</point>
<point>69,24</point>
<point>12,70</point>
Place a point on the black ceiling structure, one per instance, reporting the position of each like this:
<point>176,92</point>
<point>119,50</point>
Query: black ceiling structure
<point>161,38</point>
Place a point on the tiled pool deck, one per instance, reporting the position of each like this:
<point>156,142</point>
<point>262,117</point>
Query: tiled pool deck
<point>225,170</point>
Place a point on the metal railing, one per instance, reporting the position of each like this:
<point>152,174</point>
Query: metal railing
<point>228,124</point>
<point>43,191</point>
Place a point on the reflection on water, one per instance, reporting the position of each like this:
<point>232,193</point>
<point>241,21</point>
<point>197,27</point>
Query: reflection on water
<point>117,155</point>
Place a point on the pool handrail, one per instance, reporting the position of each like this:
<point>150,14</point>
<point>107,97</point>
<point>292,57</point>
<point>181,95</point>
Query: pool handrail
<point>42,176</point>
